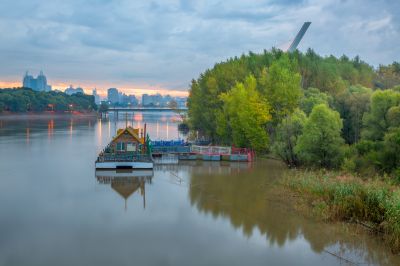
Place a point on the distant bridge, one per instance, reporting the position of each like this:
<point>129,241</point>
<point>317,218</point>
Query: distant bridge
<point>145,109</point>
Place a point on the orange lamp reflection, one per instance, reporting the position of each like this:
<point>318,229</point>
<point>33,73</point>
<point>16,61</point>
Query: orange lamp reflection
<point>138,117</point>
<point>50,128</point>
<point>28,134</point>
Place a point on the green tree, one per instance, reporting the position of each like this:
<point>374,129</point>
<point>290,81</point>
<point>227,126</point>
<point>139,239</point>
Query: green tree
<point>313,97</point>
<point>394,116</point>
<point>103,107</point>
<point>244,116</point>
<point>286,137</point>
<point>279,76</point>
<point>388,76</point>
<point>321,143</point>
<point>283,90</point>
<point>351,105</point>
<point>376,121</point>
<point>24,99</point>
<point>391,151</point>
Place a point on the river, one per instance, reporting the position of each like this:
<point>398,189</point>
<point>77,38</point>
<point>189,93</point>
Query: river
<point>55,210</point>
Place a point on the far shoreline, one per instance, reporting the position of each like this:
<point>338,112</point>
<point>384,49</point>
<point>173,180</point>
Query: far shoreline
<point>46,115</point>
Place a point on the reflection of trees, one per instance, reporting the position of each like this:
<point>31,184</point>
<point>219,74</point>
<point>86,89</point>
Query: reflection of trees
<point>250,201</point>
<point>31,125</point>
<point>241,197</point>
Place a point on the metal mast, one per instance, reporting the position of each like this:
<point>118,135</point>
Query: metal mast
<point>299,36</point>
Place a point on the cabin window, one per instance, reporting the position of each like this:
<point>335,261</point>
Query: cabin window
<point>131,146</point>
<point>120,146</point>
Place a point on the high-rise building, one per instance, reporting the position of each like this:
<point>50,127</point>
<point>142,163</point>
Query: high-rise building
<point>37,84</point>
<point>113,95</point>
<point>181,101</point>
<point>133,100</point>
<point>71,90</point>
<point>162,101</point>
<point>146,100</point>
<point>96,96</point>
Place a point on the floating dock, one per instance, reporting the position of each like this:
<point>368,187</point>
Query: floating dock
<point>129,149</point>
<point>123,165</point>
<point>184,151</point>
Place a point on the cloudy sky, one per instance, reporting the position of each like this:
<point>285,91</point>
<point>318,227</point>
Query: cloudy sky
<point>163,44</point>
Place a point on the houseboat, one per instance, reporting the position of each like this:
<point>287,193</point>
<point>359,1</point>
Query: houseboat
<point>129,149</point>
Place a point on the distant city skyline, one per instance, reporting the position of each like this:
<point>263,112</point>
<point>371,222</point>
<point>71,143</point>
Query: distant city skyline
<point>101,91</point>
<point>114,95</point>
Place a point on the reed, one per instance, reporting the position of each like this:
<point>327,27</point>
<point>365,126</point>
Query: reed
<point>335,196</point>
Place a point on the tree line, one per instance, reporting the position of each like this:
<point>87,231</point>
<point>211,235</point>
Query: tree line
<point>27,100</point>
<point>307,109</point>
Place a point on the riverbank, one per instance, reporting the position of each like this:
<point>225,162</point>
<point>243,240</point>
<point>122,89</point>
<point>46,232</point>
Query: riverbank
<point>333,196</point>
<point>46,115</point>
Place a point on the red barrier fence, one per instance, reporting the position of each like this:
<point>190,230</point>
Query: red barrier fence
<point>250,153</point>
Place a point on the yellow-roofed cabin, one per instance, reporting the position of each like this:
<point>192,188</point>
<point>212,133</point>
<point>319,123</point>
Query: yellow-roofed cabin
<point>128,140</point>
<point>126,150</point>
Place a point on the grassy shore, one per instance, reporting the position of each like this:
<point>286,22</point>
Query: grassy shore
<point>334,196</point>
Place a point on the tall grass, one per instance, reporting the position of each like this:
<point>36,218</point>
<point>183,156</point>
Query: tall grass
<point>349,198</point>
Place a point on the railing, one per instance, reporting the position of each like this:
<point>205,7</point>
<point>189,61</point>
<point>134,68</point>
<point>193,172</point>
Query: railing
<point>210,149</point>
<point>123,157</point>
<point>138,109</point>
<point>162,143</point>
<point>241,150</point>
<point>244,151</point>
<point>166,149</point>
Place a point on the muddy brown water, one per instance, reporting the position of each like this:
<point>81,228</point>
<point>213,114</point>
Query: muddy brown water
<point>55,210</point>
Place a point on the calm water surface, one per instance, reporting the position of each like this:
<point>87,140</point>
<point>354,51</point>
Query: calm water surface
<point>55,210</point>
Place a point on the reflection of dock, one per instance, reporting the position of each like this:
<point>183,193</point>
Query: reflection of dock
<point>212,167</point>
<point>126,182</point>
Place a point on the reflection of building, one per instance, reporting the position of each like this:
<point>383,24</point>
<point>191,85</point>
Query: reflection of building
<point>37,84</point>
<point>127,182</point>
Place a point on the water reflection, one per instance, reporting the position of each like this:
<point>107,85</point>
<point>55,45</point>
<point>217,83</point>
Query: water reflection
<point>126,182</point>
<point>197,213</point>
<point>248,197</point>
<point>50,125</point>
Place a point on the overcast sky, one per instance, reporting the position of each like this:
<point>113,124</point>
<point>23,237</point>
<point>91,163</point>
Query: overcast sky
<point>164,44</point>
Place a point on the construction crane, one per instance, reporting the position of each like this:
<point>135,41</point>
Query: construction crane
<point>298,37</point>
